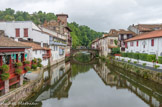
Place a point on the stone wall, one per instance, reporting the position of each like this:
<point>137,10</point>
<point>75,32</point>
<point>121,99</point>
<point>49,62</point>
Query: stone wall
<point>145,73</point>
<point>18,95</point>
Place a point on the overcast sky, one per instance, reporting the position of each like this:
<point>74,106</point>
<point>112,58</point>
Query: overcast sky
<point>100,15</point>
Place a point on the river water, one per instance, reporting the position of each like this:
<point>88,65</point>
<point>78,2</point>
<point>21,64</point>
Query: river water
<point>95,85</point>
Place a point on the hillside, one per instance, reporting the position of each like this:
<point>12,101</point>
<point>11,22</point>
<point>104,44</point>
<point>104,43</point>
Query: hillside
<point>81,35</point>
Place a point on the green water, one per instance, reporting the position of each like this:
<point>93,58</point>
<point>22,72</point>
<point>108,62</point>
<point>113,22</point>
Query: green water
<point>96,85</point>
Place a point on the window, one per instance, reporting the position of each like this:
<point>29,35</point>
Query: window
<point>152,42</point>
<point>111,41</point>
<point>17,32</point>
<point>131,44</point>
<point>137,43</point>
<point>35,52</point>
<point>26,32</point>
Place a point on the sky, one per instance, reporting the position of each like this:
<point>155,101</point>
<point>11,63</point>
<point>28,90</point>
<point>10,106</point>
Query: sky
<point>100,15</point>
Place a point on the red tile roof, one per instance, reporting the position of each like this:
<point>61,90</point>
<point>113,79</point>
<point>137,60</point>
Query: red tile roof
<point>153,34</point>
<point>35,46</point>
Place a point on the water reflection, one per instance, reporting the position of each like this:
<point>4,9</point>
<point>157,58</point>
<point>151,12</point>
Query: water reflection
<point>146,90</point>
<point>74,85</point>
<point>83,57</point>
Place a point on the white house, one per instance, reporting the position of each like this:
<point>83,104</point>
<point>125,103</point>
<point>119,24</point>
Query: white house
<point>57,44</point>
<point>25,30</point>
<point>37,52</point>
<point>150,43</point>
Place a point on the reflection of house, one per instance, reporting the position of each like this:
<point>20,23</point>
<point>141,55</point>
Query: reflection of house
<point>59,83</point>
<point>10,53</point>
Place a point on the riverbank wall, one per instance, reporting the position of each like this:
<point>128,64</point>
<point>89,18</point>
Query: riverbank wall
<point>17,96</point>
<point>143,72</point>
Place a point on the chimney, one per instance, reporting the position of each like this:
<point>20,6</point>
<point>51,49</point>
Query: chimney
<point>62,18</point>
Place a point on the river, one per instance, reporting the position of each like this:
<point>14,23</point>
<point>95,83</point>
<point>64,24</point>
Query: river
<point>95,85</point>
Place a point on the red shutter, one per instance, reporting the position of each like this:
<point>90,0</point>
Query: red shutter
<point>25,32</point>
<point>137,43</point>
<point>17,32</point>
<point>152,42</point>
<point>126,46</point>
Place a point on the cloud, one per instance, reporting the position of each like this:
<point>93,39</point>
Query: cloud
<point>100,15</point>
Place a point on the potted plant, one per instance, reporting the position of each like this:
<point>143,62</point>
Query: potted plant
<point>26,62</point>
<point>18,71</point>
<point>5,74</point>
<point>18,64</point>
<point>27,68</point>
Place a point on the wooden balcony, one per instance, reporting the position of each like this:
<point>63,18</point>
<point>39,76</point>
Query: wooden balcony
<point>46,55</point>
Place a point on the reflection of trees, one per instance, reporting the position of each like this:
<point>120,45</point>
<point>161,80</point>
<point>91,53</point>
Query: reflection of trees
<point>81,57</point>
<point>76,69</point>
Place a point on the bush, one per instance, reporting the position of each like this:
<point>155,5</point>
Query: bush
<point>156,66</point>
<point>39,60</point>
<point>18,71</point>
<point>34,60</point>
<point>129,61</point>
<point>136,55</point>
<point>122,59</point>
<point>5,76</point>
<point>27,68</point>
<point>143,56</point>
<point>124,55</point>
<point>26,62</point>
<point>4,68</point>
<point>39,65</point>
<point>151,58</point>
<point>115,50</point>
<point>144,64</point>
<point>18,64</point>
<point>130,55</point>
<point>160,59</point>
<point>34,66</point>
<point>135,62</point>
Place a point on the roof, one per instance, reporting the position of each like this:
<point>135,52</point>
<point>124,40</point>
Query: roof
<point>153,34</point>
<point>122,31</point>
<point>148,27</point>
<point>35,46</point>
<point>68,28</point>
<point>7,42</point>
<point>62,15</point>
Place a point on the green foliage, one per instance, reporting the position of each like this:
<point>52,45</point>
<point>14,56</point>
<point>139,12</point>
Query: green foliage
<point>156,66</point>
<point>136,55</point>
<point>135,62</point>
<point>144,64</point>
<point>82,35</point>
<point>18,64</point>
<point>34,66</point>
<point>145,75</point>
<point>122,59</point>
<point>34,60</point>
<point>18,71</point>
<point>39,65</point>
<point>27,68</point>
<point>115,50</point>
<point>151,58</point>
<point>116,42</point>
<point>4,68</point>
<point>124,54</point>
<point>39,60</point>
<point>160,59</point>
<point>129,61</point>
<point>5,76</point>
<point>143,56</point>
<point>26,62</point>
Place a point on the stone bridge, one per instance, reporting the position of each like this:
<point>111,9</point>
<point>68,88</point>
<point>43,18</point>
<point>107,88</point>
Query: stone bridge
<point>93,52</point>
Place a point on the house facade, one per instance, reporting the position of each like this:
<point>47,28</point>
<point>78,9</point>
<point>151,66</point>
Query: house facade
<point>11,52</point>
<point>149,43</point>
<point>124,35</point>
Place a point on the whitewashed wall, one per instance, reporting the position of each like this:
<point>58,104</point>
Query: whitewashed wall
<point>33,31</point>
<point>156,49</point>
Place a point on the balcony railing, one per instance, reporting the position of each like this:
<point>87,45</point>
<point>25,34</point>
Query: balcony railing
<point>46,56</point>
